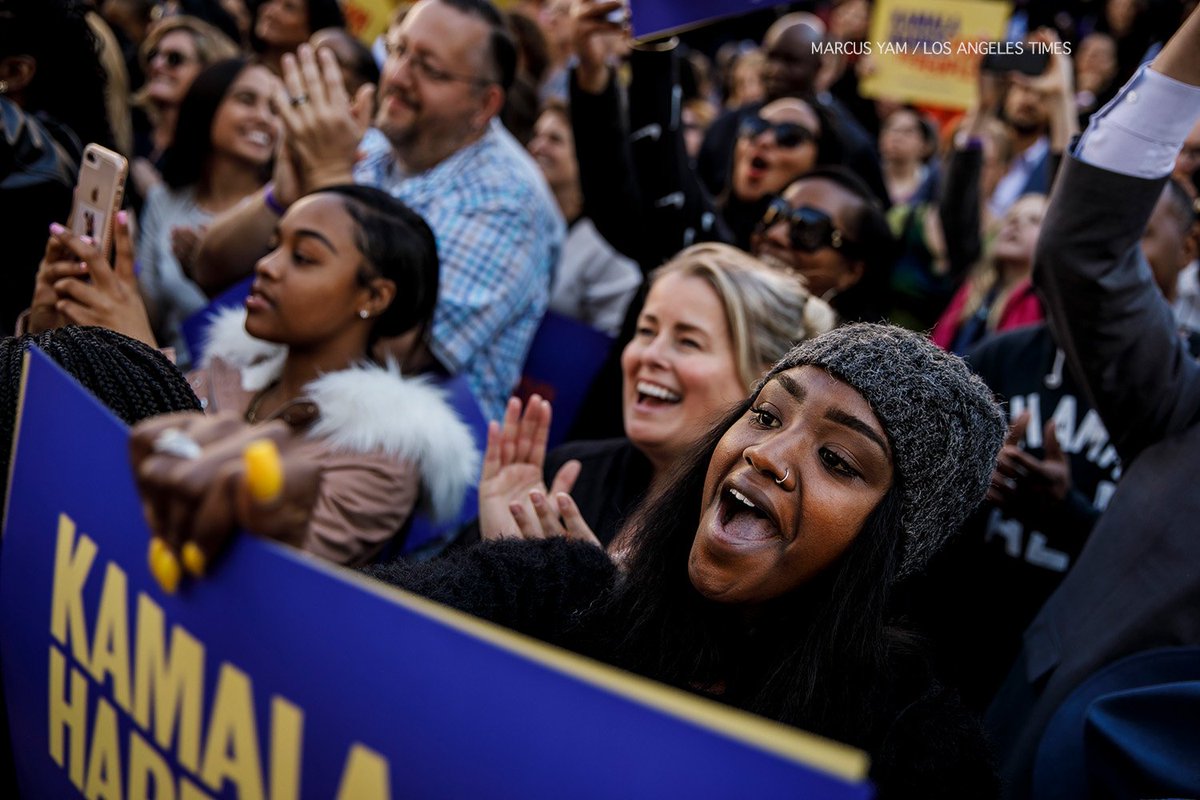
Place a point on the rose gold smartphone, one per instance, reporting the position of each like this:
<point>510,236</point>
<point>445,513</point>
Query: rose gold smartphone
<point>98,194</point>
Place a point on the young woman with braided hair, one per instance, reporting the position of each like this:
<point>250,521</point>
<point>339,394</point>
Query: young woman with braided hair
<point>132,379</point>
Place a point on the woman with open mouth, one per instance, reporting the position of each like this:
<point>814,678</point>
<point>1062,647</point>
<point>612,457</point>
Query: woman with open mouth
<point>714,321</point>
<point>222,152</point>
<point>761,575</point>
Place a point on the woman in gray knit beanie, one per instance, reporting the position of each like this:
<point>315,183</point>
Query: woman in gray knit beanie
<point>762,574</point>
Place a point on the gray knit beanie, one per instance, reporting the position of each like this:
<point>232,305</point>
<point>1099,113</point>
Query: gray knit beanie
<point>944,427</point>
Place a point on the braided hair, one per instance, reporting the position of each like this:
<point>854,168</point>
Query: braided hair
<point>132,379</point>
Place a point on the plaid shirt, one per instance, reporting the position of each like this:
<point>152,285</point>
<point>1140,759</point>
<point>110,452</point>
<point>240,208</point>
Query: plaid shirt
<point>499,234</point>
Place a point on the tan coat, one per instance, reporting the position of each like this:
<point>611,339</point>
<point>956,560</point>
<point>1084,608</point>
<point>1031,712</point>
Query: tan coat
<point>388,445</point>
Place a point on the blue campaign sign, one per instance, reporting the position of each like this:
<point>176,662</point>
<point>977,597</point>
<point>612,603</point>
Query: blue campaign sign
<point>280,678</point>
<point>651,18</point>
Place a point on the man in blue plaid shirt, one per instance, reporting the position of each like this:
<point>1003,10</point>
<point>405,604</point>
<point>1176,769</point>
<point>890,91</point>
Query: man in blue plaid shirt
<point>438,146</point>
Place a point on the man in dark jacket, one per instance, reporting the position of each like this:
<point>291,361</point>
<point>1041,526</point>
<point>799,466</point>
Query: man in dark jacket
<point>1136,585</point>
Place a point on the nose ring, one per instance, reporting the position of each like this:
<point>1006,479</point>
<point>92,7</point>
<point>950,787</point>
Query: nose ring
<point>786,473</point>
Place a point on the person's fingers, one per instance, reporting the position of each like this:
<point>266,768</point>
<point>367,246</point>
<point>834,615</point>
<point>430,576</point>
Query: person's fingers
<point>144,434</point>
<point>573,523</point>
<point>76,313</point>
<point>527,431</point>
<point>527,526</point>
<point>56,249</point>
<point>596,12</point>
<point>284,514</point>
<point>491,453</point>
<point>508,437</point>
<point>1034,468</point>
<point>85,248</point>
<point>1054,451</point>
<point>1016,432</point>
<point>564,479</point>
<point>288,113</point>
<point>213,521</point>
<point>1007,466</point>
<point>547,515</point>
<point>123,255</point>
<point>332,82</point>
<point>540,434</point>
<point>55,271</point>
<point>314,85</point>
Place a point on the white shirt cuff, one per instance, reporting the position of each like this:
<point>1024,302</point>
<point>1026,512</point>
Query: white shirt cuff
<point>1141,130</point>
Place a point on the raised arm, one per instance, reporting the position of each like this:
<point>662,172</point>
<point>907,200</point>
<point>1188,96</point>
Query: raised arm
<point>1118,332</point>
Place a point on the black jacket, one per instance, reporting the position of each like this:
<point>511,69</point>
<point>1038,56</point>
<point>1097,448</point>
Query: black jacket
<point>37,175</point>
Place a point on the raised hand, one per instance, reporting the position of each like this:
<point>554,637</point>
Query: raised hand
<point>513,498</point>
<point>321,125</point>
<point>1027,487</point>
<point>589,29</point>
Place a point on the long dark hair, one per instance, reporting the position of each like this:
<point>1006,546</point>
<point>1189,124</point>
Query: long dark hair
<point>813,658</point>
<point>186,160</point>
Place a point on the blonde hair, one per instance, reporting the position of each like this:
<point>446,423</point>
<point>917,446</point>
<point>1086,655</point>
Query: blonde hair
<point>212,45</point>
<point>767,311</point>
<point>986,276</point>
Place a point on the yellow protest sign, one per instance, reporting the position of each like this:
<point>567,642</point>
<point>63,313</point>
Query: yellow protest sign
<point>366,19</point>
<point>928,51</point>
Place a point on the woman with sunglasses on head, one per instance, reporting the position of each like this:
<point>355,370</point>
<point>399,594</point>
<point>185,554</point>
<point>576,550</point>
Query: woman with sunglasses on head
<point>175,52</point>
<point>762,575</point>
<point>221,153</point>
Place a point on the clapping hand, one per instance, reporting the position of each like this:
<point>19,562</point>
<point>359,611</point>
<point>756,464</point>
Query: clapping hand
<point>1027,487</point>
<point>322,126</point>
<point>513,499</point>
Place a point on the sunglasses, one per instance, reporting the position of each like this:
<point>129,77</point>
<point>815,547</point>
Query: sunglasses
<point>787,134</point>
<point>808,228</point>
<point>174,58</point>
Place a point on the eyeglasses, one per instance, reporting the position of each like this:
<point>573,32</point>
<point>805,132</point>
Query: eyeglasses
<point>809,229</point>
<point>174,58</point>
<point>787,134</point>
<point>428,71</point>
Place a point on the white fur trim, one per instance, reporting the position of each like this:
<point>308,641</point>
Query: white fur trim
<point>368,408</point>
<point>259,362</point>
<point>364,409</point>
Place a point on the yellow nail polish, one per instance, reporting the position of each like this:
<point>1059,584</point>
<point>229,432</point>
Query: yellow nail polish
<point>264,470</point>
<point>194,560</point>
<point>166,571</point>
<point>156,546</point>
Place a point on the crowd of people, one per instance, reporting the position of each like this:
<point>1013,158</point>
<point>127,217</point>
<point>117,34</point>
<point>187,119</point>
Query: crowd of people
<point>891,441</point>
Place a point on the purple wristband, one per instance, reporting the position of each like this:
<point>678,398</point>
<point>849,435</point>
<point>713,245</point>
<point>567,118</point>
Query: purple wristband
<point>271,202</point>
